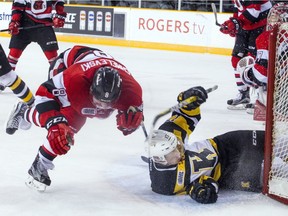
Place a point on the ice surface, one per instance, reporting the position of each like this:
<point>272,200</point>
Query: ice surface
<point>103,173</point>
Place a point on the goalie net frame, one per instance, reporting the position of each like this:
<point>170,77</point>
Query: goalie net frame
<point>274,186</point>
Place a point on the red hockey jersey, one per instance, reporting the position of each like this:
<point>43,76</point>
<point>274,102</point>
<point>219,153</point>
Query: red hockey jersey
<point>68,93</point>
<point>252,14</point>
<point>38,11</point>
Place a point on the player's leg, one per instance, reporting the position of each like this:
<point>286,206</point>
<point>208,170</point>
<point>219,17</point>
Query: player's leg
<point>22,117</point>
<point>47,40</point>
<point>57,66</point>
<point>255,94</point>
<point>239,51</point>
<point>13,56</point>
<point>8,78</point>
<point>38,177</point>
<point>17,45</point>
<point>242,154</point>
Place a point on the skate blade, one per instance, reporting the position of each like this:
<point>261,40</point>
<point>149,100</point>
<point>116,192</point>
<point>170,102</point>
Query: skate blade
<point>237,107</point>
<point>250,111</point>
<point>35,185</point>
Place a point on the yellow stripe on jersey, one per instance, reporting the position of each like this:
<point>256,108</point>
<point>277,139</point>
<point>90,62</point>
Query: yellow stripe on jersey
<point>28,98</point>
<point>217,169</point>
<point>191,112</point>
<point>15,84</point>
<point>182,123</point>
<point>179,185</point>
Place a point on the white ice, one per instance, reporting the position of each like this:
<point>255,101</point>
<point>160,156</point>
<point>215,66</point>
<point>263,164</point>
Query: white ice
<point>103,173</point>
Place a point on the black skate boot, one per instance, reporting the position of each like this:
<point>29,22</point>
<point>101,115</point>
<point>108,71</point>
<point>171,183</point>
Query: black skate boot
<point>239,103</point>
<point>38,174</point>
<point>250,108</point>
<point>16,119</point>
<point>2,87</point>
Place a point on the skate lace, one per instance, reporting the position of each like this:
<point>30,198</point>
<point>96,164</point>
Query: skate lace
<point>45,165</point>
<point>238,96</point>
<point>17,117</point>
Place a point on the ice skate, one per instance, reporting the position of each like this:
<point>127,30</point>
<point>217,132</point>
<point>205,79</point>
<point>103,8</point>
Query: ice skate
<point>239,103</point>
<point>250,108</point>
<point>16,119</point>
<point>2,87</point>
<point>38,178</point>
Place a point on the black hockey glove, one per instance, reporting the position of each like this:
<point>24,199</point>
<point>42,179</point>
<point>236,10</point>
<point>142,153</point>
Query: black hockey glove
<point>198,92</point>
<point>205,192</point>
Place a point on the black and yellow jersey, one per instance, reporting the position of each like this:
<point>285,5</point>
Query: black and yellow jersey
<point>233,159</point>
<point>200,158</point>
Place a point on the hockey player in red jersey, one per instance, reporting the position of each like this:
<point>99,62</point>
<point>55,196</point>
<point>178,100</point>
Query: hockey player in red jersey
<point>94,87</point>
<point>248,22</point>
<point>255,74</point>
<point>229,161</point>
<point>29,14</point>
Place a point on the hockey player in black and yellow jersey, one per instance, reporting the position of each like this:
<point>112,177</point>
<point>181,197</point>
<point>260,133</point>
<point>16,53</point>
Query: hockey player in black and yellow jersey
<point>230,161</point>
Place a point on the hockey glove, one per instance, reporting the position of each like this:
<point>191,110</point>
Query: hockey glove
<point>198,92</point>
<point>59,20</point>
<point>129,121</point>
<point>14,27</point>
<point>204,190</point>
<point>231,27</point>
<point>60,135</point>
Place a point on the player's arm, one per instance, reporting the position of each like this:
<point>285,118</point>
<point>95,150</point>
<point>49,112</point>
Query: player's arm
<point>60,16</point>
<point>251,13</point>
<point>203,190</point>
<point>130,115</point>
<point>183,121</point>
<point>50,97</point>
<point>49,100</point>
<point>16,15</point>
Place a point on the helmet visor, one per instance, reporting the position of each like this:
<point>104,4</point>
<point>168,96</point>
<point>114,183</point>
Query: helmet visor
<point>171,158</point>
<point>101,104</point>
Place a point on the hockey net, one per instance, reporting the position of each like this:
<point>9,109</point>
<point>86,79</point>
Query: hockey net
<point>275,178</point>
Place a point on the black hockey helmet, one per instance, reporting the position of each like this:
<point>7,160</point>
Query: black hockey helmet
<point>106,85</point>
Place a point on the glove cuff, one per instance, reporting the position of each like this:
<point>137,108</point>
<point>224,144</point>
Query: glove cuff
<point>236,23</point>
<point>61,15</point>
<point>55,120</point>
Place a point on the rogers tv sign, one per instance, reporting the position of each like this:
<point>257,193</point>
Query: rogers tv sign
<point>169,27</point>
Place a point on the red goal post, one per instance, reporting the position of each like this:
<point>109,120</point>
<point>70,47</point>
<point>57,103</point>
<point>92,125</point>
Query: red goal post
<point>275,175</point>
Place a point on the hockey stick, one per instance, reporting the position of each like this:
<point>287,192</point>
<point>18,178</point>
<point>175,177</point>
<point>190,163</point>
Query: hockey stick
<point>215,14</point>
<point>180,105</point>
<point>144,129</point>
<point>29,27</point>
<point>165,112</point>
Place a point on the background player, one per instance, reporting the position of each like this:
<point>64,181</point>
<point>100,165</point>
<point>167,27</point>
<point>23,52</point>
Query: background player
<point>29,14</point>
<point>232,160</point>
<point>248,22</point>
<point>92,88</point>
<point>255,74</point>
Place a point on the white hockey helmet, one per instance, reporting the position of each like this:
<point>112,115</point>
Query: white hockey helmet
<point>162,146</point>
<point>278,14</point>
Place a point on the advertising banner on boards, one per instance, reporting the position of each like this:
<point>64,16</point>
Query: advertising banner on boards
<point>89,21</point>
